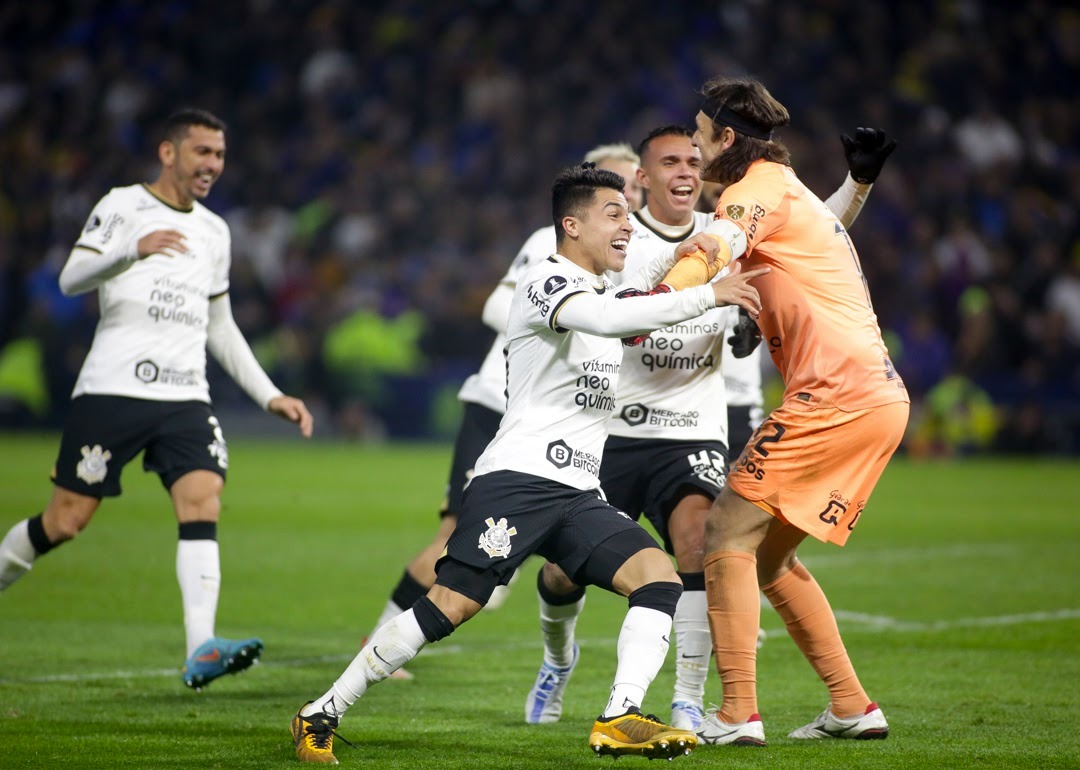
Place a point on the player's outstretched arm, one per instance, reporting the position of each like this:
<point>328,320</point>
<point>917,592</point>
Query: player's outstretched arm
<point>866,154</point>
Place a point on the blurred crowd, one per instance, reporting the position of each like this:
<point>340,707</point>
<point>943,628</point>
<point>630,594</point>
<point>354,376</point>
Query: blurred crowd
<point>386,160</point>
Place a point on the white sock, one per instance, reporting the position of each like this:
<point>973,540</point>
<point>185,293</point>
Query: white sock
<point>693,645</point>
<point>393,645</point>
<point>643,645</point>
<point>198,570</point>
<point>390,611</point>
<point>557,622</point>
<point>17,554</point>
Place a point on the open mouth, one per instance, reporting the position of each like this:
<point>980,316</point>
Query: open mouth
<point>683,193</point>
<point>620,245</point>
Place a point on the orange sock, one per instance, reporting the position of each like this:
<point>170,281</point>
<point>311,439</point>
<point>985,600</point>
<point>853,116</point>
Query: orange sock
<point>802,605</point>
<point>734,616</point>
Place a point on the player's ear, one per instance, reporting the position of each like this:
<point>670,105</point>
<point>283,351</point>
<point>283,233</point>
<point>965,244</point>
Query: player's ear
<point>642,178</point>
<point>570,226</point>
<point>166,153</point>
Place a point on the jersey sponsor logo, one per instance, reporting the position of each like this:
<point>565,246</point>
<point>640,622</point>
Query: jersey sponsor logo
<point>92,224</point>
<point>554,285</point>
<point>735,211</point>
<point>146,371</point>
<point>757,213</point>
<point>94,465</point>
<point>669,418</point>
<point>495,540</point>
<point>559,453</point>
<point>218,449</point>
<point>539,301</point>
<point>709,466</point>
<point>635,414</point>
<point>113,222</point>
<point>167,305</point>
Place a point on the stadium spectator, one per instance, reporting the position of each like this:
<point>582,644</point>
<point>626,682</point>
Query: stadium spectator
<point>535,489</point>
<point>844,405</point>
<point>159,261</point>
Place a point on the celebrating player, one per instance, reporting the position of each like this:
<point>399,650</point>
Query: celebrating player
<point>535,489</point>
<point>811,466</point>
<point>484,395</point>
<point>160,262</point>
<point>667,454</point>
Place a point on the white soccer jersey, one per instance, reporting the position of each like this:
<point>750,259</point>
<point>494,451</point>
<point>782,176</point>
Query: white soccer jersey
<point>488,386</point>
<point>666,390</point>
<point>561,384</point>
<point>151,339</point>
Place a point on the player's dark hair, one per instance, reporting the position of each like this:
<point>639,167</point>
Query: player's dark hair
<point>574,189</point>
<point>180,122</point>
<point>747,107</point>
<point>656,133</point>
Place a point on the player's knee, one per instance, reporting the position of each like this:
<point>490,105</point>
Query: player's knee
<point>554,581</point>
<point>67,515</point>
<point>661,596</point>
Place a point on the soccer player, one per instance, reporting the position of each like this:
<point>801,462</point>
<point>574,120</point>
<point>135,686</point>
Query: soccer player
<point>484,395</point>
<point>535,489</point>
<point>159,260</point>
<point>811,466</point>
<point>667,452</point>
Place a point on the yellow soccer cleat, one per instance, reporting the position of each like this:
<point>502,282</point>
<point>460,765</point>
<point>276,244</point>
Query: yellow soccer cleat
<point>313,737</point>
<point>641,735</point>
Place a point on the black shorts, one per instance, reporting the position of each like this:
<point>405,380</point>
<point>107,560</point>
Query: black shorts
<point>742,422</point>
<point>104,433</point>
<point>651,476</point>
<point>507,516</point>
<point>478,426</point>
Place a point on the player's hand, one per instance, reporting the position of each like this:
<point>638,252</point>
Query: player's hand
<point>168,242</point>
<point>866,153</point>
<point>745,336</point>
<point>624,294</point>
<point>696,262</point>
<point>735,289</point>
<point>293,410</point>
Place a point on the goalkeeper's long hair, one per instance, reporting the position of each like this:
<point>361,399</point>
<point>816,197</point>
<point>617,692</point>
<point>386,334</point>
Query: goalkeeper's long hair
<point>574,188</point>
<point>757,108</point>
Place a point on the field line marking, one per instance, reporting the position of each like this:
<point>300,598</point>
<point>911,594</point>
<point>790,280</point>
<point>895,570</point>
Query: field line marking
<point>865,621</point>
<point>885,623</point>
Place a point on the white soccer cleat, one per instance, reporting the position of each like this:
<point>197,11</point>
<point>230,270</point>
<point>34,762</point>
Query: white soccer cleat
<point>543,704</point>
<point>761,637</point>
<point>686,715</point>
<point>870,726</point>
<point>716,733</point>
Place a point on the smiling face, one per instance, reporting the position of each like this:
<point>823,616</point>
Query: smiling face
<point>601,233</point>
<point>190,168</point>
<point>671,173</point>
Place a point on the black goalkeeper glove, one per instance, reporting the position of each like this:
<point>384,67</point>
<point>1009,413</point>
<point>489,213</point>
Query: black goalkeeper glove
<point>866,153</point>
<point>624,294</point>
<point>745,336</point>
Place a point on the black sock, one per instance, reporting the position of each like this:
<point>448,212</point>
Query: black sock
<point>36,531</point>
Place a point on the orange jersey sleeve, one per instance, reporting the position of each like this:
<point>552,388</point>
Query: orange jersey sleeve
<point>816,318</point>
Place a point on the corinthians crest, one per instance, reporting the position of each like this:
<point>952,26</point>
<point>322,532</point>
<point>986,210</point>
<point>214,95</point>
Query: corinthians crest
<point>495,541</point>
<point>94,465</point>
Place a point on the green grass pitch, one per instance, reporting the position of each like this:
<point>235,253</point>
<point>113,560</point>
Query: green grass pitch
<point>958,595</point>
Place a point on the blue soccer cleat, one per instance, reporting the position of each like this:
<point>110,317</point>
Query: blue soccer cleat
<point>544,702</point>
<point>217,657</point>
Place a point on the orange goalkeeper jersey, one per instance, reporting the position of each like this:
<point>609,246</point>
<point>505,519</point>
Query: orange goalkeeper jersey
<point>816,315</point>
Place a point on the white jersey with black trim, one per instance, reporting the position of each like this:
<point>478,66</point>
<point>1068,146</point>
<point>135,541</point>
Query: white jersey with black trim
<point>150,341</point>
<point>487,386</point>
<point>666,390</point>
<point>560,384</point>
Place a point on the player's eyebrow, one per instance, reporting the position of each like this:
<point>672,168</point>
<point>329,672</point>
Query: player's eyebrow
<point>616,203</point>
